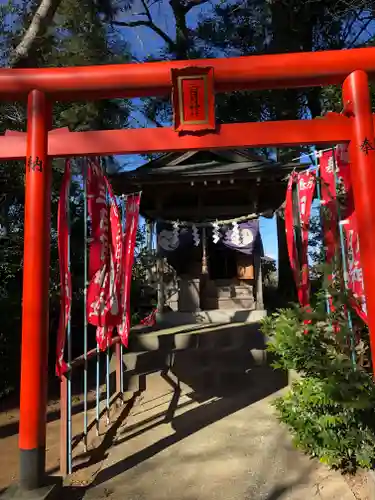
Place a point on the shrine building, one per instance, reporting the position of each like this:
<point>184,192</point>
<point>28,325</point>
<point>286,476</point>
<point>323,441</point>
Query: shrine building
<point>202,211</point>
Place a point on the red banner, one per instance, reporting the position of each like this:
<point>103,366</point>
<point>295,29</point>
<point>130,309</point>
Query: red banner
<point>306,185</point>
<point>329,203</point>
<point>354,278</point>
<point>99,254</point>
<point>112,312</point>
<point>112,299</point>
<point>131,226</point>
<point>344,180</point>
<point>65,277</point>
<point>306,188</point>
<point>289,228</point>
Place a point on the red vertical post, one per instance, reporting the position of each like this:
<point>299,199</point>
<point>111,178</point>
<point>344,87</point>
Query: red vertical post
<point>356,97</point>
<point>35,307</point>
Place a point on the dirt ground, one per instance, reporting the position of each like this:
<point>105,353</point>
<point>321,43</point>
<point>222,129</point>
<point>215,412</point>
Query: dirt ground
<point>173,442</point>
<point>9,421</point>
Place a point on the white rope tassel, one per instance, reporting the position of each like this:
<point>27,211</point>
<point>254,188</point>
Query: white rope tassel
<point>196,237</point>
<point>215,232</point>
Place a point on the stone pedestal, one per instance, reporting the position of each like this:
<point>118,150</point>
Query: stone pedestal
<point>189,296</point>
<point>225,294</point>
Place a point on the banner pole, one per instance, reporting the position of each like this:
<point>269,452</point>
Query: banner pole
<point>319,195</point>
<point>123,205</point>
<point>85,280</point>
<point>108,347</point>
<point>344,265</point>
<point>69,342</point>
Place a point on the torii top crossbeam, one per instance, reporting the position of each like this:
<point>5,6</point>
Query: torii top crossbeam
<point>154,79</point>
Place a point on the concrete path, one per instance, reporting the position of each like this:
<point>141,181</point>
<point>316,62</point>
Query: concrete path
<point>184,444</point>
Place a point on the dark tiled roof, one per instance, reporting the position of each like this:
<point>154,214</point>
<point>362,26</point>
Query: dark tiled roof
<point>193,164</point>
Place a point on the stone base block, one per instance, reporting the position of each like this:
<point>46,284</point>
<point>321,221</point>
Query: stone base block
<point>51,491</point>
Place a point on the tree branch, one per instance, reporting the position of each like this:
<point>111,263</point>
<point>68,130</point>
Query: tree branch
<point>180,8</point>
<point>147,10</point>
<point>40,22</point>
<point>155,121</point>
<point>149,24</point>
<point>190,4</point>
<point>361,31</point>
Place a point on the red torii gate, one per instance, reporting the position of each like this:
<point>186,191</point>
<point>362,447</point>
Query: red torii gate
<point>41,87</point>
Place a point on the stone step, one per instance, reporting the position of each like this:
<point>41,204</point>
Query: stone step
<point>227,288</point>
<point>223,282</point>
<point>198,337</point>
<point>227,359</point>
<point>186,368</point>
<point>231,293</point>
<point>215,354</point>
<point>212,317</point>
<point>211,374</point>
<point>228,303</point>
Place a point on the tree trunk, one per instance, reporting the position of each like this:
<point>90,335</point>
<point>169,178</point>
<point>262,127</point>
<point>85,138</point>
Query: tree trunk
<point>40,22</point>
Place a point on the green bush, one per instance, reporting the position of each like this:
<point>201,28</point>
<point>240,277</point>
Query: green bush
<point>331,409</point>
<point>340,435</point>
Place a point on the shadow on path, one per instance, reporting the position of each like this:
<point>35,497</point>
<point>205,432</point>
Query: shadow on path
<point>268,381</point>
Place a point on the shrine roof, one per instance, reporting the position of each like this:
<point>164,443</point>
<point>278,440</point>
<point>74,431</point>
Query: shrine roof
<point>182,167</point>
<point>205,185</point>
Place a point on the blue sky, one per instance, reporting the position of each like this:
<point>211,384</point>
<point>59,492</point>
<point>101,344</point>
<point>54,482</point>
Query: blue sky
<point>144,42</point>
<point>269,236</point>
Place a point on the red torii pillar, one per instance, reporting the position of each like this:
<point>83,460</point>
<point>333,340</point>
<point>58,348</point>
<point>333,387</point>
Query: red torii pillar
<point>357,103</point>
<point>35,300</point>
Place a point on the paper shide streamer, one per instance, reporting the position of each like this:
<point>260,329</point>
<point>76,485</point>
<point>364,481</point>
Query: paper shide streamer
<point>215,232</point>
<point>196,237</point>
<point>176,230</point>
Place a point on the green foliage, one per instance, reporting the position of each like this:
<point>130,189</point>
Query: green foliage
<point>331,409</point>
<point>76,36</point>
<point>339,436</point>
<point>269,272</point>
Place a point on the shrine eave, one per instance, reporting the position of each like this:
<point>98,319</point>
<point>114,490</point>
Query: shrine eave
<point>142,178</point>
